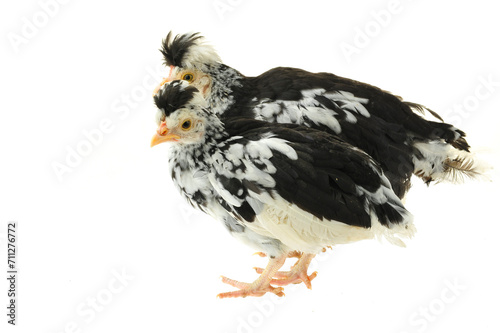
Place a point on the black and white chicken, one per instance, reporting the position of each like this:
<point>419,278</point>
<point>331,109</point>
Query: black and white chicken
<point>285,189</point>
<point>389,129</point>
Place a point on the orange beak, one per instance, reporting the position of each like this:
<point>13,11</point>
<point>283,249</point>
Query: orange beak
<point>165,80</point>
<point>162,135</point>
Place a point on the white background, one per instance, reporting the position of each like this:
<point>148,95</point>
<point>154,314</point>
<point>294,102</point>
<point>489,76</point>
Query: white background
<point>115,211</point>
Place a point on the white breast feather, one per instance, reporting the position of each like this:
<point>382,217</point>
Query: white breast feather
<point>302,231</point>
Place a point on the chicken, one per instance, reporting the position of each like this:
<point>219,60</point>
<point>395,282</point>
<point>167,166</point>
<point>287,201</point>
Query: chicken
<point>287,190</point>
<point>387,128</point>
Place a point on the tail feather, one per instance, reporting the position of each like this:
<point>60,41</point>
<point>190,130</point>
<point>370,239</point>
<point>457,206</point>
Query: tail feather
<point>422,109</point>
<point>442,162</point>
<point>444,154</point>
<point>461,143</point>
<point>462,167</point>
<point>442,130</point>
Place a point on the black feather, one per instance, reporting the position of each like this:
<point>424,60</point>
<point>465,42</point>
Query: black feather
<point>173,96</point>
<point>174,50</point>
<point>387,134</point>
<point>420,108</point>
<point>324,179</point>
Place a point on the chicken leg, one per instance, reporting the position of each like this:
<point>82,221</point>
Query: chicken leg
<point>297,274</point>
<point>260,286</point>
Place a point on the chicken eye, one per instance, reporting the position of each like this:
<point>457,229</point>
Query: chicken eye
<point>188,77</point>
<point>186,125</point>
